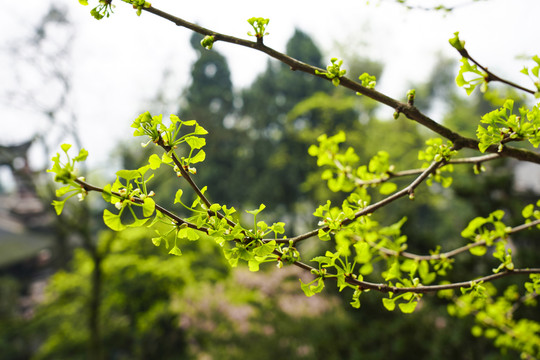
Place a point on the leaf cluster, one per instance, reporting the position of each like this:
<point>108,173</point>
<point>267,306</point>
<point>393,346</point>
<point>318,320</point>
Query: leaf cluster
<point>259,25</point>
<point>334,72</point>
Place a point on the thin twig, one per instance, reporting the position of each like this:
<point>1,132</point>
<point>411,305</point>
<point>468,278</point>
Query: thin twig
<point>491,76</point>
<point>371,208</point>
<point>451,253</point>
<point>178,220</point>
<point>364,285</point>
<point>192,183</point>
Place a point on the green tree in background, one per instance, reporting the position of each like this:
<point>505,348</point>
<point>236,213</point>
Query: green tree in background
<point>363,236</point>
<point>272,149</point>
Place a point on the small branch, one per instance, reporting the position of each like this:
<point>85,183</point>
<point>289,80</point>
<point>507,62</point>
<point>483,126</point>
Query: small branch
<point>363,285</point>
<point>475,159</point>
<point>384,288</point>
<point>371,208</point>
<point>524,226</point>
<point>454,252</point>
<point>89,187</point>
<point>391,175</point>
<point>192,183</point>
<point>491,76</point>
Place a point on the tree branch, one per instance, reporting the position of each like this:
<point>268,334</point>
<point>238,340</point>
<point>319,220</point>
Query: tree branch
<point>178,220</point>
<point>454,252</point>
<point>422,289</point>
<point>192,183</point>
<point>371,208</point>
<point>391,174</point>
<point>407,109</point>
<point>491,76</point>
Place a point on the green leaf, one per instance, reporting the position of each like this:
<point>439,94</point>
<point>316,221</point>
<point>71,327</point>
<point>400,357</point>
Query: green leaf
<point>113,221</point>
<point>393,272</point>
<point>389,304</point>
<point>199,130</point>
<point>426,276</point>
<point>58,206</point>
<point>137,223</point>
<point>366,269</point>
<point>166,158</point>
<point>191,234</point>
<point>253,265</point>
<point>201,155</point>
<point>310,289</point>
<point>106,194</point>
<point>128,174</point>
<point>189,122</point>
<point>407,308</point>
<point>255,212</point>
<point>83,154</point>
<point>527,211</point>
<point>178,196</point>
<point>188,233</point>
<point>387,188</point>
<point>265,249</point>
<point>324,235</point>
<point>175,251</point>
<point>456,42</point>
<point>154,161</point>
<point>470,230</point>
<point>65,147</point>
<point>363,253</point>
<point>195,142</point>
<point>65,189</point>
<point>156,241</point>
<point>149,205</point>
<point>319,287</point>
<point>306,288</point>
<point>478,250</point>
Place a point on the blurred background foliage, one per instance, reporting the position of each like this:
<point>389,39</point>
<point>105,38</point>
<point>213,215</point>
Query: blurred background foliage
<point>117,296</point>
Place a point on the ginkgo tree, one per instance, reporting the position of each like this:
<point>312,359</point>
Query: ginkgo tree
<point>363,254</point>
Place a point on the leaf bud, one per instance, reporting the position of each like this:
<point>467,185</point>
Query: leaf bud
<point>410,96</point>
<point>207,42</point>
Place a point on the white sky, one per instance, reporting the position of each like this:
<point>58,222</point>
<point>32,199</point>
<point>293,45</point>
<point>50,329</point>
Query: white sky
<point>118,63</point>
